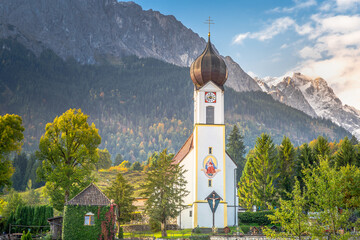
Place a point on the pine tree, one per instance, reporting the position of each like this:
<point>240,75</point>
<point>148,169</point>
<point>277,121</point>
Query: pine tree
<point>246,184</point>
<point>321,148</point>
<point>346,154</point>
<point>304,160</point>
<point>287,157</point>
<point>265,165</point>
<point>165,188</point>
<point>122,192</point>
<point>236,149</point>
<point>118,159</point>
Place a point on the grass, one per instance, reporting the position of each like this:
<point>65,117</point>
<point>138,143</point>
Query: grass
<point>171,234</point>
<point>135,178</point>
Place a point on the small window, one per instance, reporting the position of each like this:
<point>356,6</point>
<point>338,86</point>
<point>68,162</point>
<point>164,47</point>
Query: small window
<point>89,219</point>
<point>209,115</point>
<point>210,150</point>
<point>190,213</point>
<point>210,183</point>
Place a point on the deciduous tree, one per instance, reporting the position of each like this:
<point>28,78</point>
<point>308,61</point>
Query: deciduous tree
<point>68,151</point>
<point>165,188</point>
<point>11,136</point>
<point>291,216</point>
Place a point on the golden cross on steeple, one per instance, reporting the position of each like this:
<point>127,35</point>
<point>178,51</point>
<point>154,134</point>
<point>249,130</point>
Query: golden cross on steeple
<point>209,21</point>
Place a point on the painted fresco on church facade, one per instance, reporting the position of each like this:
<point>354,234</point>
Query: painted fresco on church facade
<point>210,166</point>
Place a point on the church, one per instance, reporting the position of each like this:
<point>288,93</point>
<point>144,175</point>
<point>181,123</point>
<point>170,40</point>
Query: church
<point>210,172</point>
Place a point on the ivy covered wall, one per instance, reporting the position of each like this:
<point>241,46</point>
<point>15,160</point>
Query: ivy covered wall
<point>74,219</point>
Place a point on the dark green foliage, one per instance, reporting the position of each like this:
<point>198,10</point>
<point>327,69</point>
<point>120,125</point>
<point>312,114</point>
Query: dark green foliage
<point>136,166</point>
<point>255,217</point>
<point>118,159</point>
<point>121,233</point>
<point>265,171</point>
<point>30,216</point>
<point>25,170</point>
<point>236,149</point>
<point>122,193</point>
<point>74,218</point>
<point>287,158</point>
<point>245,229</point>
<point>155,225</point>
<point>138,105</point>
<point>165,188</point>
<point>346,154</point>
<point>104,159</point>
<point>304,160</point>
<point>321,148</point>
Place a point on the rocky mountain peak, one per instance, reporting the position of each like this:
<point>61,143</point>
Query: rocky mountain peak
<point>316,98</point>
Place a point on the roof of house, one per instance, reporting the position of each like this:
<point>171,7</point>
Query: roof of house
<point>184,150</point>
<point>92,196</point>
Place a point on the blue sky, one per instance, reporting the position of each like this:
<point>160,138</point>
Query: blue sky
<point>276,37</point>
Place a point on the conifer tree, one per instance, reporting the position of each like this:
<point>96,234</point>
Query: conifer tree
<point>346,154</point>
<point>321,148</point>
<point>165,188</point>
<point>304,160</point>
<point>118,159</point>
<point>236,149</point>
<point>265,173</point>
<point>246,184</point>
<point>287,157</point>
<point>122,192</point>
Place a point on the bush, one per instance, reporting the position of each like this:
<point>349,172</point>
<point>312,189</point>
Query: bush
<point>121,233</point>
<point>154,225</point>
<point>245,229</point>
<point>259,218</point>
<point>26,236</point>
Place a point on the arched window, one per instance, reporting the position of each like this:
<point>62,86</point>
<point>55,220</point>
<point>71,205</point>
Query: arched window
<point>209,115</point>
<point>89,219</point>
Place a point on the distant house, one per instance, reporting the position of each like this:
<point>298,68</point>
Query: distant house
<point>89,215</point>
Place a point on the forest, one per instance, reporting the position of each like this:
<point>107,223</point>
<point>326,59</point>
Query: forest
<point>138,105</point>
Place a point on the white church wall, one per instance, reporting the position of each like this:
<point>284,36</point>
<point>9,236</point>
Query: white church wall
<point>189,163</point>
<point>205,217</point>
<point>200,104</point>
<point>231,191</point>
<point>210,137</point>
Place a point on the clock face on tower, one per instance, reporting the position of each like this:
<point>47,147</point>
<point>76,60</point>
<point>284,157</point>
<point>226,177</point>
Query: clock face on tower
<point>210,97</point>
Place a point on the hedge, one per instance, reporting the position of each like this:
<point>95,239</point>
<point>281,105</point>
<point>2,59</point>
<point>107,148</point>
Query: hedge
<point>30,216</point>
<point>259,218</point>
<point>73,223</point>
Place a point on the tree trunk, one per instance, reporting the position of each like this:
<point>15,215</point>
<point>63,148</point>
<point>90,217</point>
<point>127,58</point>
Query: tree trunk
<point>66,195</point>
<point>163,229</point>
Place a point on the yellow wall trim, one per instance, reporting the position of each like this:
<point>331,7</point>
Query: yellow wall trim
<point>225,214</point>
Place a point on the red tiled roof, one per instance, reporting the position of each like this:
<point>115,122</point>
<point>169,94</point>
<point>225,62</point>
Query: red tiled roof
<point>184,150</point>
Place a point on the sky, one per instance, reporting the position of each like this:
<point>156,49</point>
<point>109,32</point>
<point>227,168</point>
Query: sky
<point>276,38</point>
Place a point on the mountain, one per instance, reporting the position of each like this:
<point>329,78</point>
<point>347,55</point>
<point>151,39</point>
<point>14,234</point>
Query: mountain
<point>96,31</point>
<point>138,105</point>
<point>314,97</point>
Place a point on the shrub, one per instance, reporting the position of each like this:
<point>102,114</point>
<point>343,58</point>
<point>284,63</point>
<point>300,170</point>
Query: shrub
<point>245,229</point>
<point>154,225</point>
<point>259,218</point>
<point>121,233</point>
<point>26,236</point>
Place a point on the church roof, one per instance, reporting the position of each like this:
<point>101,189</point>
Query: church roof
<point>91,195</point>
<point>184,150</point>
<point>209,66</point>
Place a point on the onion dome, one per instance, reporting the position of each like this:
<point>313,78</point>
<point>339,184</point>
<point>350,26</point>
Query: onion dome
<point>208,67</point>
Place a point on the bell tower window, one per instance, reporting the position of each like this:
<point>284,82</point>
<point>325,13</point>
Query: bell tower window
<point>209,115</point>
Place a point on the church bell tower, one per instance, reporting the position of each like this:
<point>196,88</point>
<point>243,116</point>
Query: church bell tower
<point>210,171</point>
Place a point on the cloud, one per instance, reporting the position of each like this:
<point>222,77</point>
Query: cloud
<point>333,53</point>
<point>298,5</point>
<point>278,26</point>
